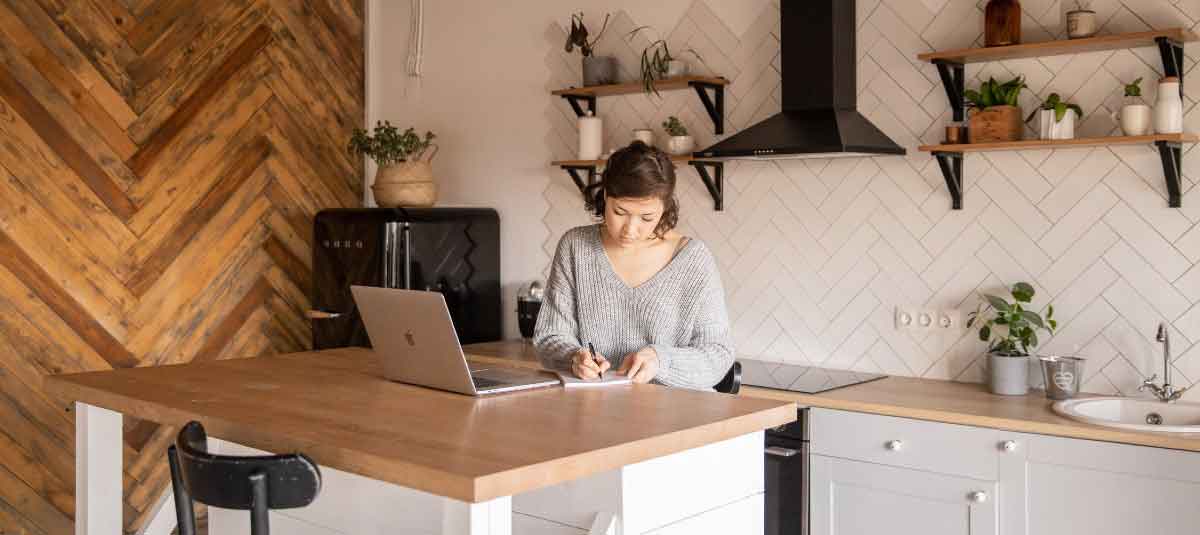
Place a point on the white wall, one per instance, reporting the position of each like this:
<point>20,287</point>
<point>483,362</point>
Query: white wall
<point>816,254</point>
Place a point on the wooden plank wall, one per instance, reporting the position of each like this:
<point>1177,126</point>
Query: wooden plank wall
<point>160,162</point>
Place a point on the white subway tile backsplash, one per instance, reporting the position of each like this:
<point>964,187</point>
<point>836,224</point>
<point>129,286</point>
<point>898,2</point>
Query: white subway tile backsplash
<point>816,254</point>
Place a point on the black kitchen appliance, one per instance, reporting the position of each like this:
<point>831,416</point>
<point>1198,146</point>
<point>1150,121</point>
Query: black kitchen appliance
<point>797,378</point>
<point>455,251</point>
<point>786,478</point>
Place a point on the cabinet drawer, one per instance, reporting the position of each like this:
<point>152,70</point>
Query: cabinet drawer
<point>937,447</point>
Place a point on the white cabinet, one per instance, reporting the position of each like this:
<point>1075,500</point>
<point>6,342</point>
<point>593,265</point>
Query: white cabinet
<point>881,474</point>
<point>861,498</point>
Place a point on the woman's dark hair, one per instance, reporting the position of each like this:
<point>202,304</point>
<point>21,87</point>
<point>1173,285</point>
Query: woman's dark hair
<point>638,171</point>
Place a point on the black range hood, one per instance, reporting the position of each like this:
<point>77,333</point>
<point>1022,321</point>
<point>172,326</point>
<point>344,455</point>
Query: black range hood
<point>820,118</point>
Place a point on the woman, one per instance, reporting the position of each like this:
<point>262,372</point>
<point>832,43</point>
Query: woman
<point>646,297</point>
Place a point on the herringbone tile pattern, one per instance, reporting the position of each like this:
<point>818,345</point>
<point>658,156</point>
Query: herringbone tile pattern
<point>160,163</point>
<point>816,254</point>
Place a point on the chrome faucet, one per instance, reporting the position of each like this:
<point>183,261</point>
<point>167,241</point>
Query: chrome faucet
<point>1165,393</point>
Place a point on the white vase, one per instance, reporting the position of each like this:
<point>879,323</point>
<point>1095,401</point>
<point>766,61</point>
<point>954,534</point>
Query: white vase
<point>676,68</point>
<point>1051,129</point>
<point>1168,109</point>
<point>645,135</point>
<point>591,137</point>
<point>680,145</point>
<point>1135,119</point>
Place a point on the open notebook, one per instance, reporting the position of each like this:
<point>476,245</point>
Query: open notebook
<point>609,378</point>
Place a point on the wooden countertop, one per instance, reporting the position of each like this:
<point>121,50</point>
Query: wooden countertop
<point>924,399</point>
<point>336,407</point>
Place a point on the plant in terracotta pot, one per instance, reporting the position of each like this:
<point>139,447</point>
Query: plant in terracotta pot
<point>680,142</point>
<point>1002,23</point>
<point>996,116</point>
<point>404,176</point>
<point>597,70</point>
<point>1135,114</point>
<point>1056,117</point>
<point>1010,329</point>
<point>658,63</point>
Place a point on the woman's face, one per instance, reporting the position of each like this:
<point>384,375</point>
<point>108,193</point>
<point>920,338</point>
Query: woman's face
<point>631,220</point>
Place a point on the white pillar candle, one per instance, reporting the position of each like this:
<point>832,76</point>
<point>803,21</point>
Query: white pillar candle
<point>591,137</point>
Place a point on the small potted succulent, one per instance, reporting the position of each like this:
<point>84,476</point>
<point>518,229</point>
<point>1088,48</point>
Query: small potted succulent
<point>997,115</point>
<point>1010,330</point>
<point>658,63</point>
<point>1135,114</point>
<point>597,70</point>
<point>680,142</point>
<point>1056,118</point>
<point>1081,21</point>
<point>404,176</point>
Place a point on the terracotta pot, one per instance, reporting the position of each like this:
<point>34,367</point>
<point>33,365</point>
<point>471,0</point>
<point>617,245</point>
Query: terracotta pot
<point>997,123</point>
<point>1002,23</point>
<point>408,184</point>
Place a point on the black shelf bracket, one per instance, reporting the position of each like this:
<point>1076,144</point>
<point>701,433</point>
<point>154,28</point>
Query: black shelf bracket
<point>580,182</point>
<point>1172,58</point>
<point>714,181</point>
<point>574,100</point>
<point>954,80</point>
<point>952,170</point>
<point>715,104</point>
<point>1171,153</point>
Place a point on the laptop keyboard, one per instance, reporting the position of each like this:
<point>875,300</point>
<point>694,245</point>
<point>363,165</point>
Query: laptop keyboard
<point>483,383</point>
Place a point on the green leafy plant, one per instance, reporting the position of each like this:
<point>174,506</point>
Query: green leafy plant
<point>655,59</point>
<point>1060,107</point>
<point>388,146</point>
<point>578,37</point>
<point>1010,328</point>
<point>674,127</point>
<point>1134,89</point>
<point>993,93</point>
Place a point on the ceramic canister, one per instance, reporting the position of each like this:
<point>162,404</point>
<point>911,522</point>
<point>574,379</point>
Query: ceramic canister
<point>1168,109</point>
<point>591,137</point>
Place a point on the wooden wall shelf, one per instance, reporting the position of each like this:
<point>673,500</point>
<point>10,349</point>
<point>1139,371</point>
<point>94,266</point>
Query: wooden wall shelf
<point>714,104</point>
<point>712,174</point>
<point>951,68</point>
<point>1060,47</point>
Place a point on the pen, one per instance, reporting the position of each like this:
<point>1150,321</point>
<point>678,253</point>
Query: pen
<point>592,349</point>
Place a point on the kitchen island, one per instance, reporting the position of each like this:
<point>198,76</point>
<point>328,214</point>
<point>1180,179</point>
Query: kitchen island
<point>398,458</point>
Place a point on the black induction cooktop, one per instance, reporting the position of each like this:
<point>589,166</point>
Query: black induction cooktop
<point>796,378</point>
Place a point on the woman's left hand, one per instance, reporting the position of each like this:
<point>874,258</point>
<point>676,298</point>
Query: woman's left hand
<point>640,367</point>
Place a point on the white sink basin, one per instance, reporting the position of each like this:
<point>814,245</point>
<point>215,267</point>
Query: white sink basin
<point>1133,414</point>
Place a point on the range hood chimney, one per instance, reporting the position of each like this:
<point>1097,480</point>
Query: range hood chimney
<point>820,118</point>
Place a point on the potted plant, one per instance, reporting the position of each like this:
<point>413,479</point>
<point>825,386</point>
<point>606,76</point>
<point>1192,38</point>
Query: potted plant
<point>404,176</point>
<point>1056,117</point>
<point>1011,333</point>
<point>680,142</point>
<point>996,117</point>
<point>1135,114</point>
<point>1081,21</point>
<point>597,70</point>
<point>1002,23</point>
<point>658,63</point>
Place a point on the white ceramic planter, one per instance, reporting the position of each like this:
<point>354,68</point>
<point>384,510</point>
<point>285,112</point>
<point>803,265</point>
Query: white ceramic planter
<point>1168,109</point>
<point>1135,119</point>
<point>1008,376</point>
<point>679,145</point>
<point>676,68</point>
<point>1051,129</point>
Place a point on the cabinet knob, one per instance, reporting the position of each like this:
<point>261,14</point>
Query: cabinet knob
<point>978,496</point>
<point>893,445</point>
<point>1009,445</point>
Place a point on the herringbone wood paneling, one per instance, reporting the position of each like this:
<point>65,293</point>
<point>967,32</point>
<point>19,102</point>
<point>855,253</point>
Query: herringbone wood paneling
<point>816,254</point>
<point>160,162</point>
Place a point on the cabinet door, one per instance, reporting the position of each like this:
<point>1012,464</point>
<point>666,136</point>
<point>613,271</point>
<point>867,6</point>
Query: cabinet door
<point>858,498</point>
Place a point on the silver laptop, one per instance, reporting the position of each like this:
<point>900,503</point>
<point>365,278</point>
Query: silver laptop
<point>415,339</point>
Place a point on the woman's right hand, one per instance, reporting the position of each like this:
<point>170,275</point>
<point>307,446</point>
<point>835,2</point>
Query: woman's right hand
<point>584,366</point>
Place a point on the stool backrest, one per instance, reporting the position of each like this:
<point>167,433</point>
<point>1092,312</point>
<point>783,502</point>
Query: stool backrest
<point>257,483</point>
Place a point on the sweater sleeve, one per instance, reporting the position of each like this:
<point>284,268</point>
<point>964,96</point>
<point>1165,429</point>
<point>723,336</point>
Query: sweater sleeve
<point>556,335</point>
<point>706,358</point>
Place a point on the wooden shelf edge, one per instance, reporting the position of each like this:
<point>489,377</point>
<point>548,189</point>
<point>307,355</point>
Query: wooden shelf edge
<point>585,163</point>
<point>1058,47</point>
<point>627,88</point>
<point>1034,144</point>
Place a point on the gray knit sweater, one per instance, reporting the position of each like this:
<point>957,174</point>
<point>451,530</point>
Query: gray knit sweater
<point>680,312</point>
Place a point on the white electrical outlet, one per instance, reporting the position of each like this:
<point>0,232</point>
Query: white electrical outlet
<point>917,318</point>
<point>926,318</point>
<point>904,318</point>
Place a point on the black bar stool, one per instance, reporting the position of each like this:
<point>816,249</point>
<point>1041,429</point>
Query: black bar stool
<point>256,484</point>
<point>732,382</point>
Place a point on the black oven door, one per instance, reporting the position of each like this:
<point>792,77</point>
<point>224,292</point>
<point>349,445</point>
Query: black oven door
<point>786,503</point>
